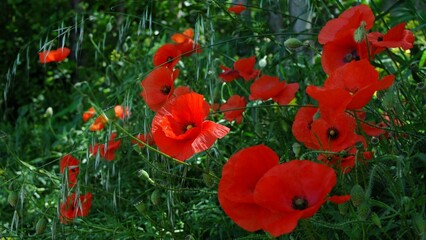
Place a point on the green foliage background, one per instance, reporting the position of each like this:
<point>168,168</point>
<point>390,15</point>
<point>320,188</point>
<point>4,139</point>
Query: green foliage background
<point>112,46</point>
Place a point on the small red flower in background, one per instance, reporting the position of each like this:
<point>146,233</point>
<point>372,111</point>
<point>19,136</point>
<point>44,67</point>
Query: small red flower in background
<point>57,55</point>
<point>267,87</point>
<point>236,187</point>
<point>158,86</point>
<point>294,190</point>
<point>89,114</point>
<point>397,36</point>
<point>99,123</point>
<point>234,102</point>
<point>185,43</point>
<point>349,20</point>
<point>180,130</point>
<point>245,68</point>
<point>237,9</point>
<point>167,55</point>
<point>228,74</point>
<point>358,79</point>
<point>107,151</point>
<point>75,207</point>
<point>345,162</point>
<point>146,138</point>
<point>71,164</point>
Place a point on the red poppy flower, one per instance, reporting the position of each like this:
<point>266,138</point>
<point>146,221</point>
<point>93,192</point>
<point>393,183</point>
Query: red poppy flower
<point>185,43</point>
<point>146,138</point>
<point>157,87</point>
<point>294,190</point>
<point>180,130</point>
<point>234,102</point>
<point>397,36</point>
<point>57,55</point>
<point>245,68</point>
<point>349,20</point>
<point>75,207</point>
<point>107,151</point>
<point>120,113</point>
<point>334,134</point>
<point>342,51</point>
<point>167,55</point>
<point>89,114</point>
<point>267,87</point>
<point>99,123</point>
<point>344,162</point>
<point>71,164</point>
<point>359,79</point>
<point>302,125</point>
<point>236,187</point>
<point>228,74</point>
<point>237,9</point>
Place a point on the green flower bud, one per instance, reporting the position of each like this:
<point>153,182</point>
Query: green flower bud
<point>144,175</point>
<point>376,220</point>
<point>156,197</point>
<point>108,27</point>
<point>296,148</point>
<point>357,195</point>
<point>293,43</point>
<point>41,226</point>
<point>140,207</point>
<point>12,199</point>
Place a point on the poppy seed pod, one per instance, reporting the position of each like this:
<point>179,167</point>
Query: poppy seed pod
<point>357,195</point>
<point>293,43</point>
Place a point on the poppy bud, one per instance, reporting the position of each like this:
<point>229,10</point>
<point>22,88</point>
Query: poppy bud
<point>363,211</point>
<point>293,43</point>
<point>49,112</point>
<point>208,179</point>
<point>376,220</point>
<point>263,62</point>
<point>419,223</point>
<point>41,226</point>
<point>12,199</point>
<point>360,32</point>
<point>140,207</point>
<point>343,208</point>
<point>357,195</point>
<point>156,197</point>
<point>108,27</point>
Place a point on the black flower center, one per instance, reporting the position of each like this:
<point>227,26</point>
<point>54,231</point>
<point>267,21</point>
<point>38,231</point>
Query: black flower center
<point>379,39</point>
<point>332,133</point>
<point>299,203</point>
<point>169,59</point>
<point>188,126</point>
<point>353,55</point>
<point>165,89</point>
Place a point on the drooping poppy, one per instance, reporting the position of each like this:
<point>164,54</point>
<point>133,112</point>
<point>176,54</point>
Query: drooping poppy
<point>359,79</point>
<point>71,164</point>
<point>245,68</point>
<point>228,74</point>
<point>180,130</point>
<point>157,87</point>
<point>237,9</point>
<point>294,190</point>
<point>89,114</point>
<point>57,55</point>
<point>107,150</point>
<point>168,55</point>
<point>397,36</point>
<point>75,207</point>
<point>146,138</point>
<point>240,176</point>
<point>185,43</point>
<point>234,102</point>
<point>349,20</point>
